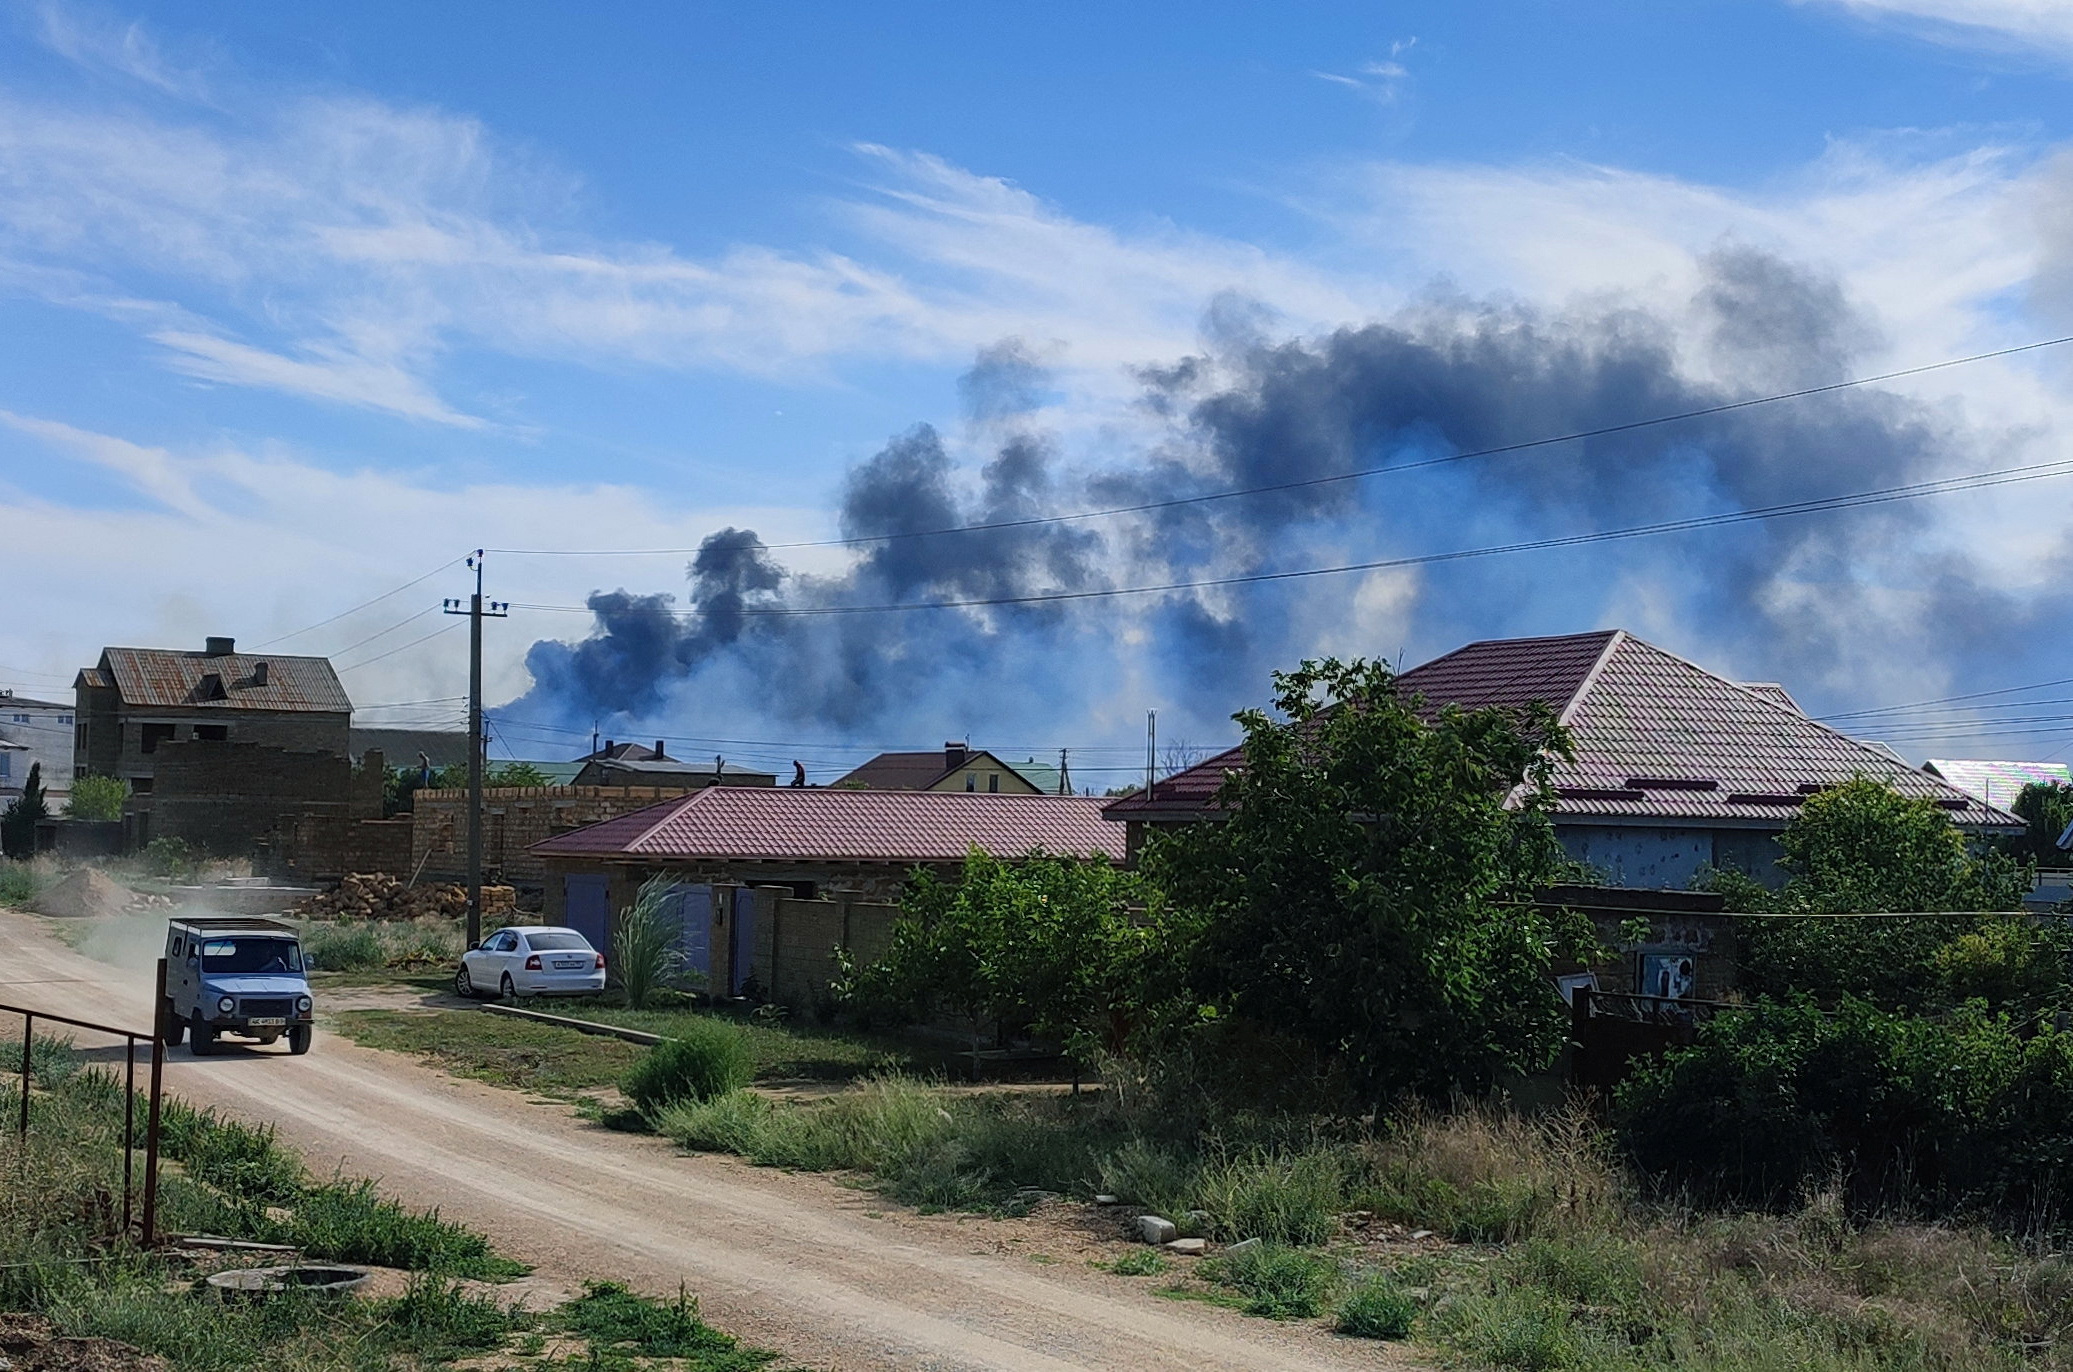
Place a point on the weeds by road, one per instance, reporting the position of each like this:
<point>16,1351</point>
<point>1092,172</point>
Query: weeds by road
<point>64,1260</point>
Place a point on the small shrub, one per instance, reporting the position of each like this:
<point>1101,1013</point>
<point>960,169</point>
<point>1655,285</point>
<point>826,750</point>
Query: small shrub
<point>436,1318</point>
<point>96,797</point>
<point>615,1320</point>
<point>52,1058</point>
<point>709,1058</point>
<point>168,857</point>
<point>1291,1198</point>
<point>1377,1309</point>
<point>343,947</point>
<point>18,882</point>
<point>1277,1283</point>
<point>1141,1262</point>
<point>1149,1175</point>
<point>1523,1329</point>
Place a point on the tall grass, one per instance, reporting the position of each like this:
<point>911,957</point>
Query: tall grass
<point>645,955</point>
<point>365,946</point>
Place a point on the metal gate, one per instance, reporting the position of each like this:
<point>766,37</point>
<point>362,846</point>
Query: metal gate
<point>587,908</point>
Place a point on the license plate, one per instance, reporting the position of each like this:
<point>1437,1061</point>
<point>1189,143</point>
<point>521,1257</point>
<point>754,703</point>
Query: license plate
<point>568,966</point>
<point>267,1023</point>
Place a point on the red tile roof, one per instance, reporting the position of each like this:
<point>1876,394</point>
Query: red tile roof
<point>1656,738</point>
<point>818,824</point>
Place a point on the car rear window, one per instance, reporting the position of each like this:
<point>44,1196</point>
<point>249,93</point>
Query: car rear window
<point>251,955</point>
<point>554,942</point>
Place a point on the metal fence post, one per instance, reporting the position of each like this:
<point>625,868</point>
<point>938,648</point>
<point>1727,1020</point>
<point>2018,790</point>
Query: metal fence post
<point>158,1057</point>
<point>28,1034</point>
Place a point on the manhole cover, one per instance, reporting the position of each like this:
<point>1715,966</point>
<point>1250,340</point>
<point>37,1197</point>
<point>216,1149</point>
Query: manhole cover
<point>252,1283</point>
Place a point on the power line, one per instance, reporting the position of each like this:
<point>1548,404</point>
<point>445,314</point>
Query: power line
<point>416,580</point>
<point>1946,700</point>
<point>404,648</point>
<point>1146,507</point>
<point>383,633</point>
<point>1915,491</point>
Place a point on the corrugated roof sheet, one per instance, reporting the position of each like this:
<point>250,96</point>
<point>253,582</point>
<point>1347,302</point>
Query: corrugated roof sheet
<point>818,824</point>
<point>1997,783</point>
<point>166,677</point>
<point>1656,737</point>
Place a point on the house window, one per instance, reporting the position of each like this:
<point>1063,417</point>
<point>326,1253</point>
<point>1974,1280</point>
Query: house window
<point>140,786</point>
<point>212,733</point>
<point>155,734</point>
<point>21,719</point>
<point>993,781</point>
<point>64,719</point>
<point>6,765</point>
<point>971,781</point>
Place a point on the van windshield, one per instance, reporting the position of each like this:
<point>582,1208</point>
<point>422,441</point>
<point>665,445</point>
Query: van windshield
<point>251,954</point>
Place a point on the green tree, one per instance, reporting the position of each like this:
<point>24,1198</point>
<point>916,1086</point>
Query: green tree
<point>2046,807</point>
<point>513,774</point>
<point>18,821</point>
<point>1369,888</point>
<point>96,797</point>
<point>1862,849</point>
<point>1065,948</point>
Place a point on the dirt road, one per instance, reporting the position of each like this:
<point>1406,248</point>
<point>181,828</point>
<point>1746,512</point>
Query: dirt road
<point>827,1275</point>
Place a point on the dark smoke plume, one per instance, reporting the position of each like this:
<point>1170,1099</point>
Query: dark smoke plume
<point>1808,600</point>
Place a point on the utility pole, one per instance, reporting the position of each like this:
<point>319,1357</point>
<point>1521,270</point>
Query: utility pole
<point>1064,773</point>
<point>1151,752</point>
<point>475,609</point>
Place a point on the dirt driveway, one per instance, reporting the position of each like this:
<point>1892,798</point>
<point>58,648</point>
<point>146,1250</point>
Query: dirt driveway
<point>829,1276</point>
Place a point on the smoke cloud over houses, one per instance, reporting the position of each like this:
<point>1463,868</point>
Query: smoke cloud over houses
<point>1815,601</point>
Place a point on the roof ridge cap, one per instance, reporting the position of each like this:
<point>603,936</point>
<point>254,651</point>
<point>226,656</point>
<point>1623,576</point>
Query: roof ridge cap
<point>671,809</point>
<point>1613,639</point>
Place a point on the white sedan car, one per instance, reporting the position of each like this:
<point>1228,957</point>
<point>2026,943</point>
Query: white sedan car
<point>547,961</point>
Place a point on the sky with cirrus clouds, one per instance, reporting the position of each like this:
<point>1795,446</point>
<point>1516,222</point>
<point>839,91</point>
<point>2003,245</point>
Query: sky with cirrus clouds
<point>301,306</point>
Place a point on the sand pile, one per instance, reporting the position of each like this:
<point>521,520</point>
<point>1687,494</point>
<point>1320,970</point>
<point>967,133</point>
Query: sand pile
<point>86,894</point>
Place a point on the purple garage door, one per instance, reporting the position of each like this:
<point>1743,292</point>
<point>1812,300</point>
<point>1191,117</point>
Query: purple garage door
<point>691,906</point>
<point>587,908</point>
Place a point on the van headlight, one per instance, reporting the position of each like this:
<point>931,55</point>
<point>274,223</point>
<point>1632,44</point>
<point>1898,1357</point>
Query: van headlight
<point>226,1005</point>
<point>302,1005</point>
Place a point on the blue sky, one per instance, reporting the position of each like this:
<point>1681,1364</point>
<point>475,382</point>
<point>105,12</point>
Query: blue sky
<point>296,305</point>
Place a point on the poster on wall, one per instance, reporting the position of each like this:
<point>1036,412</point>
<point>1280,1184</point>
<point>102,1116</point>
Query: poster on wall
<point>1668,975</point>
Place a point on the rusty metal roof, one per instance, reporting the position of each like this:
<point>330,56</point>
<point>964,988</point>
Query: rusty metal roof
<point>817,824</point>
<point>1657,739</point>
<point>164,677</point>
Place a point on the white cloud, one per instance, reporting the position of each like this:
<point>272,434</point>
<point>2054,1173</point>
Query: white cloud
<point>2028,23</point>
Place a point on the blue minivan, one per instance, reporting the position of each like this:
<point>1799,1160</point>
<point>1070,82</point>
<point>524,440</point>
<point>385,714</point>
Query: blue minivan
<point>235,976</point>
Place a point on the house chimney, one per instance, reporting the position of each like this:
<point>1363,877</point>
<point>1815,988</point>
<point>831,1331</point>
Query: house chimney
<point>259,674</point>
<point>954,755</point>
<point>660,755</point>
<point>219,647</point>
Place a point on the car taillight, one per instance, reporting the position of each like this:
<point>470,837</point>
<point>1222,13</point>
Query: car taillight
<point>532,964</point>
<point>600,962</point>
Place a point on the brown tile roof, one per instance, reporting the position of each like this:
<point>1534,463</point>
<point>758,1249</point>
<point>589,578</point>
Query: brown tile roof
<point>227,681</point>
<point>817,824</point>
<point>915,771</point>
<point>1656,738</point>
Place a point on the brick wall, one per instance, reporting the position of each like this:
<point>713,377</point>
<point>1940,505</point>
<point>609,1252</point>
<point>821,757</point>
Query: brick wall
<point>797,940</point>
<point>235,799</point>
<point>326,847</point>
<point>513,818</point>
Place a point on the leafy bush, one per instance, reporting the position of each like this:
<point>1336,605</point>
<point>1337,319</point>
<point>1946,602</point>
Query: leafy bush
<point>1377,1309</point>
<point>1283,1197</point>
<point>18,882</point>
<point>165,856</point>
<point>343,947</point>
<point>645,955</point>
<point>1905,1111</point>
<point>1278,1283</point>
<point>97,797</point>
<point>710,1058</point>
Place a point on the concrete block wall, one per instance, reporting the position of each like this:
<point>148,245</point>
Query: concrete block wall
<point>513,818</point>
<point>327,847</point>
<point>236,799</point>
<point>797,942</point>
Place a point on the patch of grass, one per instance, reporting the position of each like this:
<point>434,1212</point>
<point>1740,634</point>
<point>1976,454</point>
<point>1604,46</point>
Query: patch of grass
<point>239,1159</point>
<point>614,1320</point>
<point>1277,1282</point>
<point>711,1059</point>
<point>52,1058</point>
<point>376,945</point>
<point>1282,1196</point>
<point>349,1221</point>
<point>1520,1328</point>
<point>1142,1262</point>
<point>20,882</point>
<point>342,947</point>
<point>437,1318</point>
<point>782,1049</point>
<point>1377,1309</point>
<point>496,1049</point>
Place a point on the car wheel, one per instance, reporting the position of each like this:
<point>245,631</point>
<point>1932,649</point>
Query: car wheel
<point>510,992</point>
<point>299,1040</point>
<point>202,1039</point>
<point>463,984</point>
<point>175,1028</point>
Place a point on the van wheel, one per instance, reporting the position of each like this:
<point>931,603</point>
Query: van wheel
<point>202,1042</point>
<point>175,1028</point>
<point>299,1040</point>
